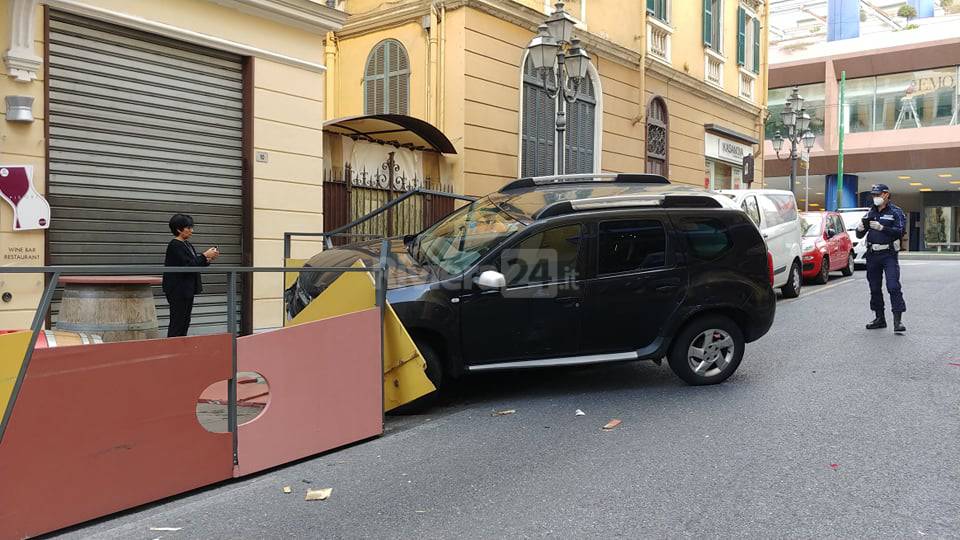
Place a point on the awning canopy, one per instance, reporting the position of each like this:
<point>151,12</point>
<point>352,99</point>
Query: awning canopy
<point>393,129</point>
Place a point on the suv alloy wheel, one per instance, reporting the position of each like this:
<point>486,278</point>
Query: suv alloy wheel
<point>707,351</point>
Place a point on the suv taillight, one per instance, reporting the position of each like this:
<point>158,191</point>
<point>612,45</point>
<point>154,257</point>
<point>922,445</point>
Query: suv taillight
<point>770,267</point>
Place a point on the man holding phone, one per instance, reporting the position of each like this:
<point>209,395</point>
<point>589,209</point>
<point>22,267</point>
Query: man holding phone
<point>883,226</point>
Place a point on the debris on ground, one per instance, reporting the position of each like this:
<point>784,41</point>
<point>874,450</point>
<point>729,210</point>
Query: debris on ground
<point>318,494</point>
<point>504,413</point>
<point>167,529</point>
<point>287,489</point>
<point>611,424</point>
<point>579,413</point>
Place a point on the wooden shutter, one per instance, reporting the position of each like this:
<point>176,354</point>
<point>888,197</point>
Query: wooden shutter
<point>581,122</point>
<point>756,45</point>
<point>537,155</point>
<point>373,80</point>
<point>741,36</point>
<point>708,22</point>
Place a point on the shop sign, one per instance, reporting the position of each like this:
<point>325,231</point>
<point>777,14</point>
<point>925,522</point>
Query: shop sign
<point>30,210</point>
<point>726,149</point>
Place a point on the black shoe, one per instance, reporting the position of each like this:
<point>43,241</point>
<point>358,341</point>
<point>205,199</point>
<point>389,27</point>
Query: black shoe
<point>879,322</point>
<point>897,324</point>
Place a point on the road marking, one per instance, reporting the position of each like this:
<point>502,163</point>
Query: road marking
<point>818,290</point>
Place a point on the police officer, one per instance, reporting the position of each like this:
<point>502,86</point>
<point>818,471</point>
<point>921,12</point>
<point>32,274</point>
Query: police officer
<point>883,226</point>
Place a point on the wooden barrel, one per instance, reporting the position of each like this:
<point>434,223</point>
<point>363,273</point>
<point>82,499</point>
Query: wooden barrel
<point>118,308</point>
<point>49,339</point>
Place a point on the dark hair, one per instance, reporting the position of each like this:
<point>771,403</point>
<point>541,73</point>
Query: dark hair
<point>180,222</point>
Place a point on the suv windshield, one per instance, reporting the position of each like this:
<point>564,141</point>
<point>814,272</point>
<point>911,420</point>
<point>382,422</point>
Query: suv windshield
<point>810,225</point>
<point>462,238</point>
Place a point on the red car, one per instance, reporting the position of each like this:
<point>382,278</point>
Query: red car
<point>826,246</point>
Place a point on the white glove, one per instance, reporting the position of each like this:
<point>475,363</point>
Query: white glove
<point>860,228</point>
<point>875,225</point>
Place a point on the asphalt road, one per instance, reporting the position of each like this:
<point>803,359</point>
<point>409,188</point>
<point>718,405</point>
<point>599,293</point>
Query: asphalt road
<point>827,430</point>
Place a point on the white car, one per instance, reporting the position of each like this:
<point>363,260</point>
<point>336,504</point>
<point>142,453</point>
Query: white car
<point>775,213</point>
<point>851,218</point>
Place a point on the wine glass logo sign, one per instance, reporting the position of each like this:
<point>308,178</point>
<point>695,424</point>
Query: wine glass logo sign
<point>30,209</point>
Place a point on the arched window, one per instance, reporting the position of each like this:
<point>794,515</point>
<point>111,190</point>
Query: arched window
<point>538,126</point>
<point>657,137</point>
<point>386,81</point>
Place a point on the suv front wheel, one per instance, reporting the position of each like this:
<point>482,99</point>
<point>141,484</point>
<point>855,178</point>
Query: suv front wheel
<point>707,351</point>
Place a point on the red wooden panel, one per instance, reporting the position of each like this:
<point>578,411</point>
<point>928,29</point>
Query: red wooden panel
<point>101,428</point>
<point>325,389</point>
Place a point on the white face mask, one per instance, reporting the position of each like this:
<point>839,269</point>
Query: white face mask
<point>878,201</point>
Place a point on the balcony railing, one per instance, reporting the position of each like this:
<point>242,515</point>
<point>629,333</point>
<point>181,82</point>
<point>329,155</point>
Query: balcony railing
<point>658,39</point>
<point>713,68</point>
<point>747,83</point>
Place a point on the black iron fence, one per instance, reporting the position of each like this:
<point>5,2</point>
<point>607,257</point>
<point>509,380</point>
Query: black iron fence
<point>357,202</point>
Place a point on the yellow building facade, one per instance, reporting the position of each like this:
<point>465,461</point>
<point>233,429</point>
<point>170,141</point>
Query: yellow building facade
<point>663,99</point>
<point>145,108</point>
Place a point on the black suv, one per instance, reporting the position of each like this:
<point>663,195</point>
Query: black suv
<point>577,269</point>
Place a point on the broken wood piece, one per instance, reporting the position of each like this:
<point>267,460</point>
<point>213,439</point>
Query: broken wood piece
<point>318,494</point>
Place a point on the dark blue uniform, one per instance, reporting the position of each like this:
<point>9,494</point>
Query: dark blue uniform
<point>884,261</point>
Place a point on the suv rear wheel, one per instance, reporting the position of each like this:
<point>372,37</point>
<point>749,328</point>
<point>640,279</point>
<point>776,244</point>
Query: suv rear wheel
<point>792,288</point>
<point>707,350</point>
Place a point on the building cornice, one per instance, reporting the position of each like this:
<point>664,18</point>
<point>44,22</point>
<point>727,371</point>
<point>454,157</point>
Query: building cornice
<point>700,88</point>
<point>506,10</point>
<point>303,14</point>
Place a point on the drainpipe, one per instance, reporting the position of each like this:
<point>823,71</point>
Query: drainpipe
<point>330,76</point>
<point>441,70</point>
<point>641,114</point>
<point>432,68</point>
<point>762,81</point>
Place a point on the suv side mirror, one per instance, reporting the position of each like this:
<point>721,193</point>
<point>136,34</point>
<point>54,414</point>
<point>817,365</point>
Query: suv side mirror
<point>491,280</point>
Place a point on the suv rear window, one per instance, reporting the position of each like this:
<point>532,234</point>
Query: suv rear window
<point>631,245</point>
<point>707,238</point>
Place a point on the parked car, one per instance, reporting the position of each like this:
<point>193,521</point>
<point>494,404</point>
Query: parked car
<point>577,269</point>
<point>775,213</point>
<point>851,218</point>
<point>826,246</point>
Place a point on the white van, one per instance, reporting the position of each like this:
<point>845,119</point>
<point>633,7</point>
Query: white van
<point>775,213</point>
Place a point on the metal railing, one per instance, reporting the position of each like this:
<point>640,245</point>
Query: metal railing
<point>54,273</point>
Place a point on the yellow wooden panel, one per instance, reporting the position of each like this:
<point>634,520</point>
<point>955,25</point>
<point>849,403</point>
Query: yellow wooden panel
<point>404,375</point>
<point>13,347</point>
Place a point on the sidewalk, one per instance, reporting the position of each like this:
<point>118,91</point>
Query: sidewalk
<point>929,256</point>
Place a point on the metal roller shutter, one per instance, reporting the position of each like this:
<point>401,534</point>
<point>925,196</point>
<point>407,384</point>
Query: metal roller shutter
<point>143,127</point>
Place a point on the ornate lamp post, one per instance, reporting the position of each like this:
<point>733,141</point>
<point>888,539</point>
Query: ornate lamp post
<point>796,120</point>
<point>562,64</point>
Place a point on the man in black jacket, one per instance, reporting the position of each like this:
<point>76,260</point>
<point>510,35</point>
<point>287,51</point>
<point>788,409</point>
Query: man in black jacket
<point>180,288</point>
<point>883,226</point>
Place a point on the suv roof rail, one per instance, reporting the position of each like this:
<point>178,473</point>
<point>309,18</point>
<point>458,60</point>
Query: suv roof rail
<point>585,178</point>
<point>628,201</point>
